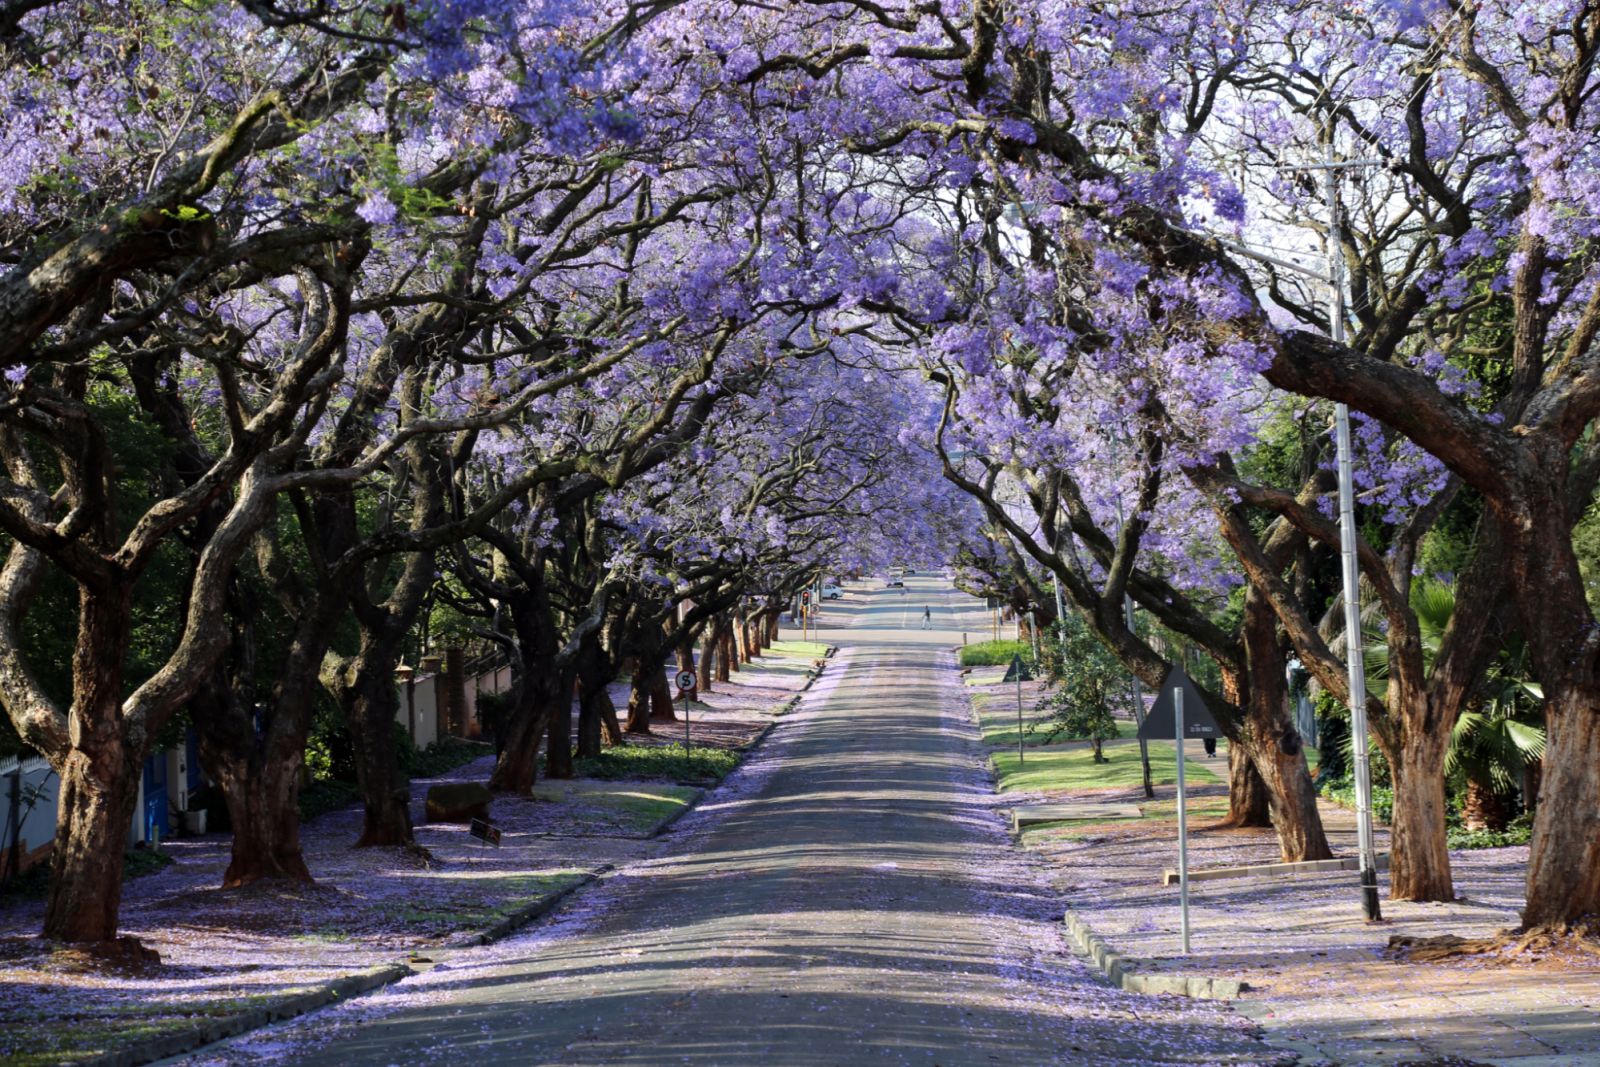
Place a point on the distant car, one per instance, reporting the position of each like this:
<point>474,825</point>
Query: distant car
<point>895,583</point>
<point>832,592</point>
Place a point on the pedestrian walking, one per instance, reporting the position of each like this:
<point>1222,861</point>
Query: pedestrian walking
<point>927,617</point>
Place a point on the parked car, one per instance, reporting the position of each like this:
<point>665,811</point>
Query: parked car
<point>832,592</point>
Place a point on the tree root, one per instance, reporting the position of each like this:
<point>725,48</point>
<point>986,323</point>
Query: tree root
<point>1579,940</point>
<point>119,954</point>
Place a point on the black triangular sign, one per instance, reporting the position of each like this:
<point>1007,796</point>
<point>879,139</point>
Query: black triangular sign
<point>1161,723</point>
<point>1018,671</point>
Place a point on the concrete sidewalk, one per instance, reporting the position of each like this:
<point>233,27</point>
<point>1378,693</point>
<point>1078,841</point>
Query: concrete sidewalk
<point>1320,982</point>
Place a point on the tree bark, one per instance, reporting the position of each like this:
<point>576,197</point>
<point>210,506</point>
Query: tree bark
<point>610,727</point>
<point>1272,743</point>
<point>1419,860</point>
<point>1484,807</point>
<point>709,668</point>
<point>95,805</point>
<point>558,746</point>
<point>1247,793</point>
<point>99,777</point>
<point>371,705</point>
<point>661,706</point>
<point>638,700</point>
<point>1564,861</point>
<point>263,808</point>
<point>258,777</point>
<point>727,657</point>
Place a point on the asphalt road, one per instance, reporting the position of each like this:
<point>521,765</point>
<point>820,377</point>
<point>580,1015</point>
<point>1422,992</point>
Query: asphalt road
<point>848,897</point>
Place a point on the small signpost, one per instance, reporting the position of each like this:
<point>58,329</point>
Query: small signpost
<point>686,687</point>
<point>1018,672</point>
<point>1180,713</point>
<point>484,831</point>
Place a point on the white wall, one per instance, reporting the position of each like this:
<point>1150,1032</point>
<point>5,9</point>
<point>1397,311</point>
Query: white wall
<point>39,823</point>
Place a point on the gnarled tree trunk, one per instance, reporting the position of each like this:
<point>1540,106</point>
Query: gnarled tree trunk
<point>1564,861</point>
<point>1247,793</point>
<point>1271,741</point>
<point>98,794</point>
<point>638,700</point>
<point>727,655</point>
<point>1419,861</point>
<point>371,706</point>
<point>99,777</point>
<point>709,668</point>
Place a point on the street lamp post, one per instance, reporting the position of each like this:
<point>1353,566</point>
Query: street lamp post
<point>1332,276</point>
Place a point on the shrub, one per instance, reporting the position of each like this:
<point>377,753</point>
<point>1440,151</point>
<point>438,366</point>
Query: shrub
<point>702,766</point>
<point>994,653</point>
<point>445,755</point>
<point>1090,686</point>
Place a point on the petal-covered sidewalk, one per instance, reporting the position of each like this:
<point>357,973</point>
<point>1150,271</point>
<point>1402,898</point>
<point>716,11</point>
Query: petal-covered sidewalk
<point>1320,979</point>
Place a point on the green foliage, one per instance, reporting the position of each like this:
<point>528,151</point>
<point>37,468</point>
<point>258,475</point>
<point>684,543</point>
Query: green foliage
<point>1502,732</point>
<point>1342,792</point>
<point>329,753</point>
<point>323,795</point>
<point>994,653</point>
<point>1518,832</point>
<point>445,755</point>
<point>492,711</point>
<point>702,766</point>
<point>1090,686</point>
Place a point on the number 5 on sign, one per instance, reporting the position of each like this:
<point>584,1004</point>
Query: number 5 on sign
<point>686,687</point>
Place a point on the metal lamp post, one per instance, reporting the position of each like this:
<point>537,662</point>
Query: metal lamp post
<point>1333,277</point>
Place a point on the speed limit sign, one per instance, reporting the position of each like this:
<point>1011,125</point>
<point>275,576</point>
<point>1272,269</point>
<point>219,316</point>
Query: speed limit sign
<point>685,680</point>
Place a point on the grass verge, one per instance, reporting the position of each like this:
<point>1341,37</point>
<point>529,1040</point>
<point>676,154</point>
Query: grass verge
<point>803,649</point>
<point>1072,770</point>
<point>486,901</point>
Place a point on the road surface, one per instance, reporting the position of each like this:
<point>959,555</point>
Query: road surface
<point>848,897</point>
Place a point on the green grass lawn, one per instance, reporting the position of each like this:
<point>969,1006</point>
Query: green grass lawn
<point>1075,769</point>
<point>1201,810</point>
<point>805,649</point>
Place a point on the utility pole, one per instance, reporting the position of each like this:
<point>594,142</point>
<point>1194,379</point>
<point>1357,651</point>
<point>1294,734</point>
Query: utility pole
<point>1332,276</point>
<point>1355,647</point>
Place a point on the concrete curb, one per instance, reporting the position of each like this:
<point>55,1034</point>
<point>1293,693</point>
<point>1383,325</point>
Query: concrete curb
<point>1121,971</point>
<point>534,909</point>
<point>214,1030</point>
<point>1276,870</point>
